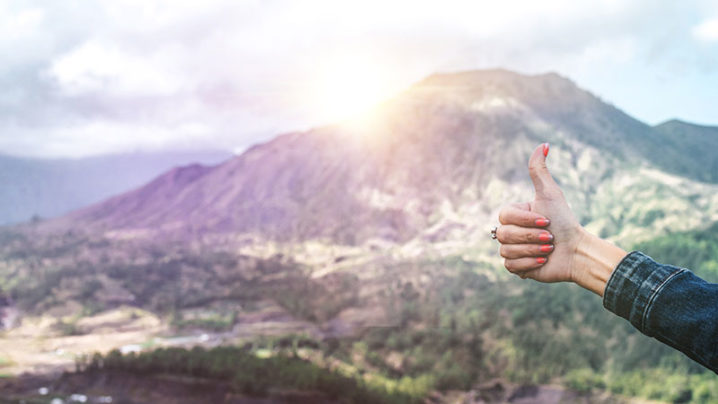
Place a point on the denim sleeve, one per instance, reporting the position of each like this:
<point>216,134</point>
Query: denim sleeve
<point>668,303</point>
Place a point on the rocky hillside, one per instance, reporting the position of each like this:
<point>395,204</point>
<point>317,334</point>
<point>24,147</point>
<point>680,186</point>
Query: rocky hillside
<point>433,165</point>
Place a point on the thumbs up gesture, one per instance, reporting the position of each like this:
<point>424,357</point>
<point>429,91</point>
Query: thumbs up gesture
<point>539,239</point>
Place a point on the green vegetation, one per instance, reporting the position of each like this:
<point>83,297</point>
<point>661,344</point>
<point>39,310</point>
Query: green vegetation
<point>248,373</point>
<point>439,357</point>
<point>467,325</point>
<point>652,384</point>
<point>685,139</point>
<point>467,329</point>
<point>697,250</point>
<point>5,362</point>
<point>68,327</point>
<point>213,322</point>
<point>314,301</point>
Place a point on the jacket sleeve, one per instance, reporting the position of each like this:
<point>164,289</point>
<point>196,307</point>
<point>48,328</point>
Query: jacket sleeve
<point>668,303</point>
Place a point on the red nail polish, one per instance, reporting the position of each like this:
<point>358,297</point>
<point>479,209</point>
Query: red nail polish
<point>541,260</point>
<point>545,236</point>
<point>545,149</point>
<point>542,222</point>
<point>546,248</point>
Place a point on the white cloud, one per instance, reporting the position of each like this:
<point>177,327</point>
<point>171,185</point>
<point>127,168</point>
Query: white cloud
<point>18,26</point>
<point>103,136</point>
<point>707,30</point>
<point>242,71</point>
<point>95,67</point>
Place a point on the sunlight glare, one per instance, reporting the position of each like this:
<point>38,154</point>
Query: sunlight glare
<point>349,87</point>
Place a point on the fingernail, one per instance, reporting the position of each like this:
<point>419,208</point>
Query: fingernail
<point>541,260</point>
<point>542,222</point>
<point>545,149</point>
<point>545,236</point>
<point>546,248</point>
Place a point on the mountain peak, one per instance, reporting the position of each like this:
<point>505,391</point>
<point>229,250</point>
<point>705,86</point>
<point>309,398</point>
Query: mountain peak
<point>546,93</point>
<point>675,124</point>
<point>439,148</point>
<point>496,77</point>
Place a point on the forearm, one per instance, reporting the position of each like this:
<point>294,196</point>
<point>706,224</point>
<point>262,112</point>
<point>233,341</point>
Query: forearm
<point>594,261</point>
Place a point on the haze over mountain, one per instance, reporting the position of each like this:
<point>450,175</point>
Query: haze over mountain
<point>434,164</point>
<point>50,187</point>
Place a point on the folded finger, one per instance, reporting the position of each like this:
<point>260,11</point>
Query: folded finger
<point>513,251</point>
<point>521,265</point>
<point>517,215</point>
<point>512,234</point>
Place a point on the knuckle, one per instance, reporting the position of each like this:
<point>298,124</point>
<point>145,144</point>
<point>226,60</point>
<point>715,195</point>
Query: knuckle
<point>508,264</point>
<point>504,251</point>
<point>501,234</point>
<point>535,168</point>
<point>529,237</point>
<point>502,216</point>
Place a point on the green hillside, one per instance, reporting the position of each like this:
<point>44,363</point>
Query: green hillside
<point>695,146</point>
<point>695,250</point>
<point>472,322</point>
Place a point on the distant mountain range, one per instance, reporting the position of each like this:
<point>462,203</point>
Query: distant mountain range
<point>434,164</point>
<point>44,188</point>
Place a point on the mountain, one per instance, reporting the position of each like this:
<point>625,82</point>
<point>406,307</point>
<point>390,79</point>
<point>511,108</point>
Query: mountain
<point>433,164</point>
<point>696,145</point>
<point>42,188</point>
<point>363,247</point>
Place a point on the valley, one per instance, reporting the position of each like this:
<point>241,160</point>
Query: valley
<point>359,254</point>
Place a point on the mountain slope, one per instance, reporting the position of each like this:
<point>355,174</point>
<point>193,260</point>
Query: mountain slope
<point>560,103</point>
<point>696,145</point>
<point>47,188</point>
<point>433,164</point>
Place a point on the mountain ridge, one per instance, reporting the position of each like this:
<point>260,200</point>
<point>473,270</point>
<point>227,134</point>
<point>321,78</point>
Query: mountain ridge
<point>424,166</point>
<point>696,141</point>
<point>42,188</point>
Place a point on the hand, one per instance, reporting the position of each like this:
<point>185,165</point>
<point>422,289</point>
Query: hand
<point>521,231</point>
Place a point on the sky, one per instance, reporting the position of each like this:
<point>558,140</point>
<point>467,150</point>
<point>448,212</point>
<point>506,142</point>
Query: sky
<point>81,78</point>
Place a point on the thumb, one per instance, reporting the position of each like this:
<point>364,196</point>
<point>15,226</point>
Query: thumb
<point>540,176</point>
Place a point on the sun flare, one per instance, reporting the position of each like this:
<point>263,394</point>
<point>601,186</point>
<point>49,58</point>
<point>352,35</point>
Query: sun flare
<point>349,87</point>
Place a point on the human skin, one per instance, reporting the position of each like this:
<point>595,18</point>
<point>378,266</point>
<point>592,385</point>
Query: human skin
<point>576,256</point>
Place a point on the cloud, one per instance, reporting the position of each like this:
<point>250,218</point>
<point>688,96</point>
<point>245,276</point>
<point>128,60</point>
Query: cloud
<point>707,30</point>
<point>91,77</point>
<point>104,69</point>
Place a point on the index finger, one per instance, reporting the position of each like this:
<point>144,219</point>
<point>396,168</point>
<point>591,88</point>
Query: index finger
<point>516,215</point>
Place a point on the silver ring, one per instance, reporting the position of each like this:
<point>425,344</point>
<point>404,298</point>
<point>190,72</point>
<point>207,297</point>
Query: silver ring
<point>493,232</point>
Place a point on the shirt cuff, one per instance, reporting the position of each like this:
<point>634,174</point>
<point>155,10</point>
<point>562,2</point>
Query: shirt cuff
<point>634,285</point>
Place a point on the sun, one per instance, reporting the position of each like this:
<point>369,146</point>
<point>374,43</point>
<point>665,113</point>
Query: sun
<point>347,87</point>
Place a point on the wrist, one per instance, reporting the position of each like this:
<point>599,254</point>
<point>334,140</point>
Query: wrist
<point>594,261</point>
